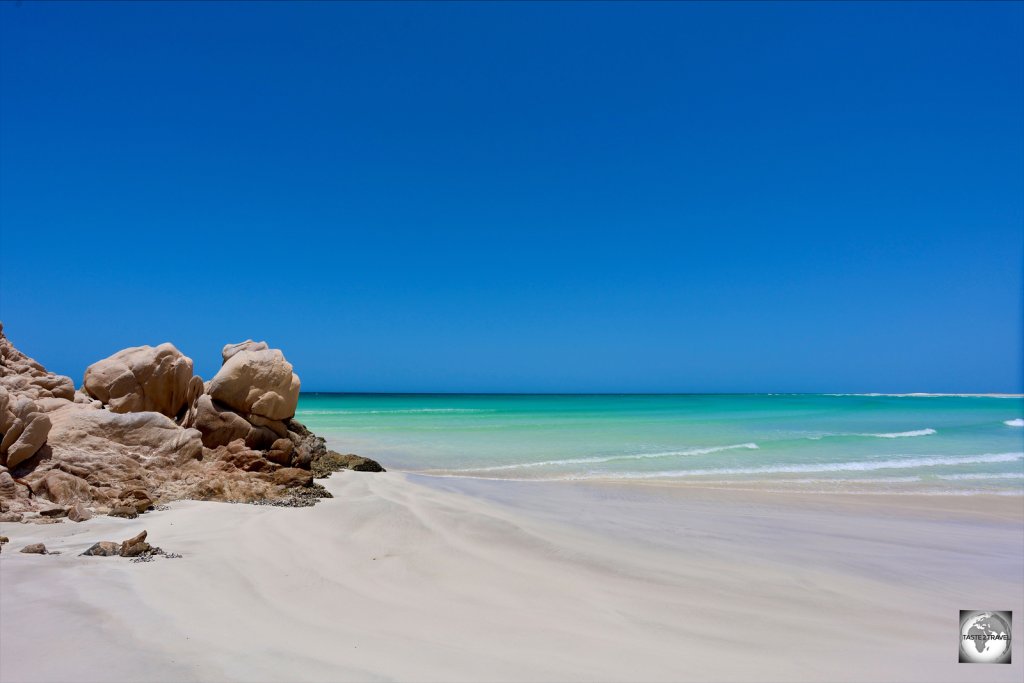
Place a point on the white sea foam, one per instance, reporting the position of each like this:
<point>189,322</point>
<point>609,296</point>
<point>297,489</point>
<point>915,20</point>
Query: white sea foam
<point>900,435</point>
<point>1000,475</point>
<point>883,435</point>
<point>855,466</point>
<point>1014,423</point>
<point>609,458</point>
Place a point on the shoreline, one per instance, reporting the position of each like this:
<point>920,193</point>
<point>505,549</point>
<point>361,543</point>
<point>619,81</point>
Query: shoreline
<point>398,578</point>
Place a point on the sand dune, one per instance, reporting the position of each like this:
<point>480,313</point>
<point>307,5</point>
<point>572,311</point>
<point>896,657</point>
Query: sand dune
<point>404,578</point>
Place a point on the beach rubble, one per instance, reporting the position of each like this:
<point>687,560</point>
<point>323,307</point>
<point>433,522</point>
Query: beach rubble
<point>143,430</point>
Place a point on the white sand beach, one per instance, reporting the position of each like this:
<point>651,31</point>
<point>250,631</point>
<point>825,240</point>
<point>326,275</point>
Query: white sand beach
<point>409,578</point>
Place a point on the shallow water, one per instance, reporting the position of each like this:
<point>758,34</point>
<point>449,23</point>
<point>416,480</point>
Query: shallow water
<point>851,443</point>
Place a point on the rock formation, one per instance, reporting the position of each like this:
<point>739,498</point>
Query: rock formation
<point>22,376</point>
<point>143,378</point>
<point>23,428</point>
<point>144,429</point>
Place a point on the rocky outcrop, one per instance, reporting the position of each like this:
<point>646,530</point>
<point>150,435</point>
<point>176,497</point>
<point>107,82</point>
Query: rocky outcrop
<point>144,378</point>
<point>22,376</point>
<point>143,429</point>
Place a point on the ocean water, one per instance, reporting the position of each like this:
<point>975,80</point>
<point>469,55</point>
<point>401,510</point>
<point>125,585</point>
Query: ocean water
<point>872,444</point>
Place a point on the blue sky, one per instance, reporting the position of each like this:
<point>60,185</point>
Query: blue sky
<point>522,197</point>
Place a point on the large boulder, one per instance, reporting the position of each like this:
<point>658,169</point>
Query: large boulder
<point>23,376</point>
<point>23,428</point>
<point>256,381</point>
<point>143,378</point>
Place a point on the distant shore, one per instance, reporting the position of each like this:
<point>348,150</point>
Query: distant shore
<point>404,577</point>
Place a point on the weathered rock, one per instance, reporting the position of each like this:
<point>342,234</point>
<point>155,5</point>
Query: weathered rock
<point>79,513</point>
<point>22,376</point>
<point>238,455</point>
<point>23,428</point>
<point>136,545</point>
<point>62,488</point>
<point>138,499</point>
<point>93,456</point>
<point>35,549</point>
<point>293,476</point>
<point>248,345</point>
<point>4,539</point>
<point>308,446</point>
<point>281,451</point>
<point>257,382</point>
<point>104,549</point>
<point>147,437</point>
<point>126,511</point>
<point>218,424</point>
<point>332,462</point>
<point>142,378</point>
<point>15,495</point>
<point>11,516</point>
<point>51,510</point>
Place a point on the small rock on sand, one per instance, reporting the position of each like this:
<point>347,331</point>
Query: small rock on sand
<point>79,513</point>
<point>34,549</point>
<point>104,549</point>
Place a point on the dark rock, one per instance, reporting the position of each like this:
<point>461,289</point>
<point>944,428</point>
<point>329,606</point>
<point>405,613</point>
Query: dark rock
<point>333,462</point>
<point>104,549</point>
<point>280,451</point>
<point>53,511</point>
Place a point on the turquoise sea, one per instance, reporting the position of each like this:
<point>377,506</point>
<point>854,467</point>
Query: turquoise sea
<point>852,443</point>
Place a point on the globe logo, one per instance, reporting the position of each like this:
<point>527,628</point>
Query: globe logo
<point>985,637</point>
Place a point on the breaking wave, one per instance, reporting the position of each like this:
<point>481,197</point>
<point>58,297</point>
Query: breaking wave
<point>854,466</point>
<point>609,458</point>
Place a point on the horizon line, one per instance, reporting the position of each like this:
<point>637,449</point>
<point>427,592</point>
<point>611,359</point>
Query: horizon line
<point>920,394</point>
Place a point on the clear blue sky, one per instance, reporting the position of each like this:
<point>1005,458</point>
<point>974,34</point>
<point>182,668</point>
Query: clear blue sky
<point>522,197</point>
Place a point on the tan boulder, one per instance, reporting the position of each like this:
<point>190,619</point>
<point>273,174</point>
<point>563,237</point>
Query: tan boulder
<point>79,513</point>
<point>142,378</point>
<point>281,451</point>
<point>23,428</point>
<point>257,382</point>
<point>34,549</point>
<point>293,476</point>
